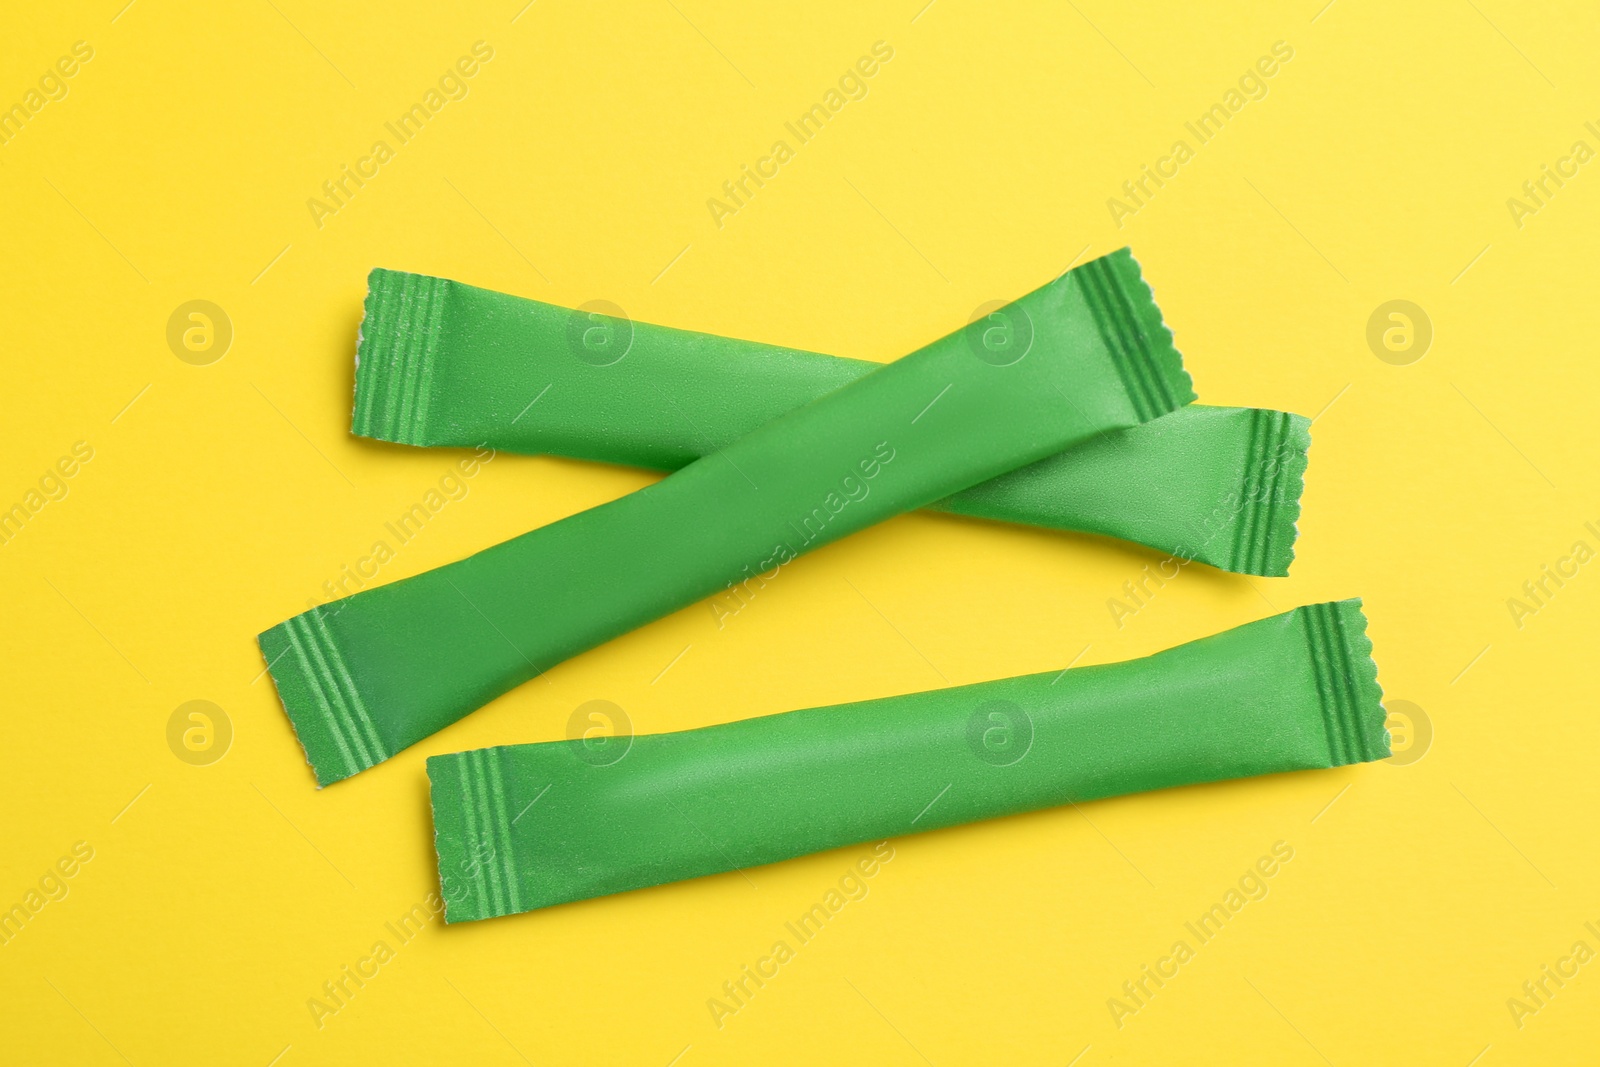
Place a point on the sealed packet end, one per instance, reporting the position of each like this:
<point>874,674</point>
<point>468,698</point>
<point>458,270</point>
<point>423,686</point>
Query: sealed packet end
<point>1265,523</point>
<point>1136,336</point>
<point>321,699</point>
<point>1347,681</point>
<point>472,836</point>
<point>395,351</point>
<point>1216,485</point>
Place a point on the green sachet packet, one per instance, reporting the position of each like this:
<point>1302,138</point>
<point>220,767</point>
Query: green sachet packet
<point>368,675</point>
<point>442,363</point>
<point>527,826</point>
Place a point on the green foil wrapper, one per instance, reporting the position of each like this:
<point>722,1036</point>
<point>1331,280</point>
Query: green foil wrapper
<point>442,363</point>
<point>527,826</point>
<point>368,675</point>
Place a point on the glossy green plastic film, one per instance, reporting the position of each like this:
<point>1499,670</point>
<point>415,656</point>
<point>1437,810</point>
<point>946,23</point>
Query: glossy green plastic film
<point>528,826</point>
<point>368,675</point>
<point>442,363</point>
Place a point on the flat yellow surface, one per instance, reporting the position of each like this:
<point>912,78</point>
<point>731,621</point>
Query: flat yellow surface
<point>209,498</point>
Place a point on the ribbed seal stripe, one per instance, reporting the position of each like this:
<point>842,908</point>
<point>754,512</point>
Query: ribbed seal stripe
<point>1273,477</point>
<point>328,680</point>
<point>1347,681</point>
<point>491,861</point>
<point>395,358</point>
<point>1139,343</point>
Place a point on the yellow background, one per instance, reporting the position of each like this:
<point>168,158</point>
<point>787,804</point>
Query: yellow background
<point>1377,167</point>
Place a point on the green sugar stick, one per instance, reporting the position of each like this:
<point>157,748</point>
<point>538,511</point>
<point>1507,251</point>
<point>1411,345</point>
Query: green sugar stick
<point>368,675</point>
<point>441,363</point>
<point>1296,691</point>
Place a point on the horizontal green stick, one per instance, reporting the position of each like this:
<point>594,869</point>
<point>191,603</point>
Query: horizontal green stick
<point>1220,485</point>
<point>528,826</point>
